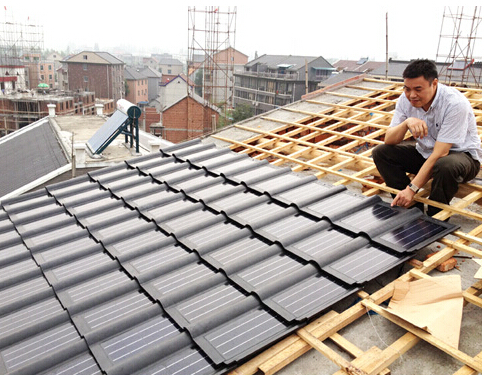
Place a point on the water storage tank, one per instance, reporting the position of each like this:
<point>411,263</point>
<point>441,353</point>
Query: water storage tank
<point>128,108</point>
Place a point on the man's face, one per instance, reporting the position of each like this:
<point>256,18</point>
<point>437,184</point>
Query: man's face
<point>420,92</point>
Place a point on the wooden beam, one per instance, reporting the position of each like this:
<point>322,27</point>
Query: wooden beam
<point>464,358</point>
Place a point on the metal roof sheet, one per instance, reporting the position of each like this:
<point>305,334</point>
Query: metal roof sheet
<point>189,260</point>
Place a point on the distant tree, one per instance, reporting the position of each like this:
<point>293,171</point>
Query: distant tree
<point>199,82</point>
<point>241,112</point>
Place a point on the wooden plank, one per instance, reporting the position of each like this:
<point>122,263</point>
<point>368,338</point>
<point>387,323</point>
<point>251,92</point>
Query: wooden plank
<point>466,370</point>
<point>362,181</point>
<point>376,361</point>
<point>464,358</point>
<point>331,354</point>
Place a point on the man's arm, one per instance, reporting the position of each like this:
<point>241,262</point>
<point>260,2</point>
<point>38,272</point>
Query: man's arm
<point>396,134</point>
<point>405,197</point>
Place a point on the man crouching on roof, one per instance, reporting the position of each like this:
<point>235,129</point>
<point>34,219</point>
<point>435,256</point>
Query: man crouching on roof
<point>447,149</point>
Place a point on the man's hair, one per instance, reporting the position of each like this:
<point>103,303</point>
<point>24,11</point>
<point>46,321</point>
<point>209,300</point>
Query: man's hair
<point>421,67</point>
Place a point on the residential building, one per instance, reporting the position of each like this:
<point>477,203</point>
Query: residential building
<point>100,72</point>
<point>47,73</point>
<point>42,152</point>
<point>154,82</point>
<point>21,109</point>
<point>136,86</point>
<point>271,81</point>
<point>469,74</point>
<point>172,89</point>
<point>227,62</point>
<point>188,118</point>
<point>151,62</point>
<point>169,65</point>
<point>32,61</point>
<point>13,75</point>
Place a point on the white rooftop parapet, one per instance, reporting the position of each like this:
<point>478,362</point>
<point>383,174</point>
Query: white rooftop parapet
<point>99,109</point>
<point>51,109</point>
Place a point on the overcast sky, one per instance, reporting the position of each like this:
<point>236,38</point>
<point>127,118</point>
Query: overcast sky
<point>343,29</point>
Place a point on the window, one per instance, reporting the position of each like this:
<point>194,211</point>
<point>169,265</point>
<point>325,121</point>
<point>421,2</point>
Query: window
<point>41,67</point>
<point>84,66</point>
<point>50,76</point>
<point>42,77</point>
<point>169,71</point>
<point>84,57</point>
<point>50,67</point>
<point>85,79</point>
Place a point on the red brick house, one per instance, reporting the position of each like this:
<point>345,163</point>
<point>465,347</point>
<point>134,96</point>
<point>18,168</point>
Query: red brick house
<point>188,118</point>
<point>100,72</point>
<point>137,86</point>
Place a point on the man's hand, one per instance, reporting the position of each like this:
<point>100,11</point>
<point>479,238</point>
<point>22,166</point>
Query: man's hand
<point>417,127</point>
<point>404,198</point>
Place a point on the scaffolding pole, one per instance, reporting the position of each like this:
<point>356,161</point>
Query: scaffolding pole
<point>457,47</point>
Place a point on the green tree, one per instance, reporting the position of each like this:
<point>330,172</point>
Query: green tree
<point>241,112</point>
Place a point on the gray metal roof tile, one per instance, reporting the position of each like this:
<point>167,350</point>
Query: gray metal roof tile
<point>95,290</point>
<point>18,272</point>
<point>224,244</point>
<point>308,193</point>
<point>364,264</point>
<point>211,193</point>
<point>30,355</point>
<point>137,244</point>
<point>24,294</point>
<point>83,364</point>
<point>80,270</point>
<point>31,320</point>
<point>66,251</point>
<point>12,253</point>
<point>188,361</point>
<point>238,201</point>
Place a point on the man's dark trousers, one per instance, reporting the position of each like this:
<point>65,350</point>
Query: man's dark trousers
<point>394,161</point>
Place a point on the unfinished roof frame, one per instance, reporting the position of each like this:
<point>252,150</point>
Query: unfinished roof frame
<point>329,141</point>
<point>326,141</point>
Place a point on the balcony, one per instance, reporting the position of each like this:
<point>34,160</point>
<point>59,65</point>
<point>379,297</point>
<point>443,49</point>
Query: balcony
<point>293,76</point>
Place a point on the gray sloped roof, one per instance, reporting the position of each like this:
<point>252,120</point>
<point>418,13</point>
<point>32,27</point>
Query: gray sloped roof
<point>134,74</point>
<point>296,62</point>
<point>187,261</point>
<point>29,154</point>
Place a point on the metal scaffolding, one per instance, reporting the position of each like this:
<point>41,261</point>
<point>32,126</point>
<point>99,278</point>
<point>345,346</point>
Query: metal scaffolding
<point>457,47</point>
<point>211,38</point>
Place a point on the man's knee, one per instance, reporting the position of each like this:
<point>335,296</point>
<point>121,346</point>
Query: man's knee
<point>379,152</point>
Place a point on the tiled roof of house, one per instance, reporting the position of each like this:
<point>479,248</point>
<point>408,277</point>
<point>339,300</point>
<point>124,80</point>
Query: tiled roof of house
<point>184,262</point>
<point>29,155</point>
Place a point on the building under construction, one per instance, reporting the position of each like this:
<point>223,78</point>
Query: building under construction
<point>459,46</point>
